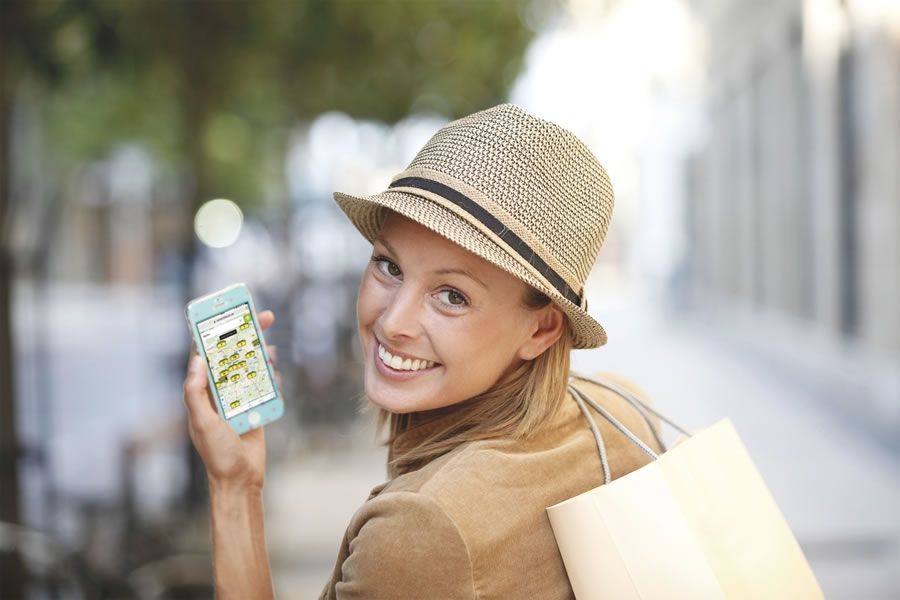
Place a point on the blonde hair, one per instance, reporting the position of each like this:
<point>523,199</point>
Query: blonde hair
<point>513,408</point>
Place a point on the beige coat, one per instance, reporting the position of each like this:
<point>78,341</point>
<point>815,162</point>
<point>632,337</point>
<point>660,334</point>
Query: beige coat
<point>473,523</point>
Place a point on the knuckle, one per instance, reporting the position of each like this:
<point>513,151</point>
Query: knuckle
<point>189,387</point>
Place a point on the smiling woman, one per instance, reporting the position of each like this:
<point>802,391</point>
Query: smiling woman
<point>467,313</point>
<point>413,305</point>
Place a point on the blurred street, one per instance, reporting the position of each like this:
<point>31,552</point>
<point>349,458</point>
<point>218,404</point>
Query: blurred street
<point>101,419</point>
<point>152,152</point>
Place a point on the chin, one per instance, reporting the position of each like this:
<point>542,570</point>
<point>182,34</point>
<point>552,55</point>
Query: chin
<point>392,405</point>
<point>389,399</point>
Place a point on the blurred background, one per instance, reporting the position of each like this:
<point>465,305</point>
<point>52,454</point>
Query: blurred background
<point>750,271</point>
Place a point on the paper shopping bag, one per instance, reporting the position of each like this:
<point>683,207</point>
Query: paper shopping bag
<point>696,523</point>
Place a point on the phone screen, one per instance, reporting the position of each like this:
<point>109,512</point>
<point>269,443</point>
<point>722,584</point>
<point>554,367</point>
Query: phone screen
<point>232,347</point>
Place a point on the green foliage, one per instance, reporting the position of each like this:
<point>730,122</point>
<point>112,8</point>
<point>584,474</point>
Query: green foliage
<point>212,86</point>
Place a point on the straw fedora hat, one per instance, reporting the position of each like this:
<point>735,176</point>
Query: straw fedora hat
<point>520,192</point>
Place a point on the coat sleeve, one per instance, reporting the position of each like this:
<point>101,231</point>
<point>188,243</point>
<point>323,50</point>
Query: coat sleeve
<point>404,545</point>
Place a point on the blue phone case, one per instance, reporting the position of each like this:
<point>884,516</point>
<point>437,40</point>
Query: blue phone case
<point>233,298</point>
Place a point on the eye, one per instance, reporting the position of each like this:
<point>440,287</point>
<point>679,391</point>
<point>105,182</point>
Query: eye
<point>392,269</point>
<point>455,299</point>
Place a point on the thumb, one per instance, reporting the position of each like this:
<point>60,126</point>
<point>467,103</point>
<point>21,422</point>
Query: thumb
<point>196,368</point>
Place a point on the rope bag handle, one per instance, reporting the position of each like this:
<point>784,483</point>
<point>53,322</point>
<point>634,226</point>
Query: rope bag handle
<point>584,401</point>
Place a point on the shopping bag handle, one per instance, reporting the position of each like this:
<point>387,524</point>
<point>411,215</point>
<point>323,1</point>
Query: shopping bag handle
<point>634,400</point>
<point>583,400</point>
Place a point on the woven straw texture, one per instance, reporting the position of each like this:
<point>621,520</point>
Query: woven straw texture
<point>538,179</point>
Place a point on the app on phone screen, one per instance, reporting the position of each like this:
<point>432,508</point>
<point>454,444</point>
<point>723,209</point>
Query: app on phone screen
<point>233,351</point>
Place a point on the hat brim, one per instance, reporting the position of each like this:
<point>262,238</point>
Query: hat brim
<point>367,215</point>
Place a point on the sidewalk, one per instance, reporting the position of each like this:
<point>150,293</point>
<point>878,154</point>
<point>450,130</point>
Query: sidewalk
<point>310,499</point>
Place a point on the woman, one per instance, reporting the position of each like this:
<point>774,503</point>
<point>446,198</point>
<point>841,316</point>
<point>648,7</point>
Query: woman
<point>467,312</point>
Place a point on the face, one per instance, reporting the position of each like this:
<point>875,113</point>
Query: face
<point>425,300</point>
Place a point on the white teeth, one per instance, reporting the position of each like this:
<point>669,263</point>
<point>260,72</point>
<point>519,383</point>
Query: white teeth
<point>398,363</point>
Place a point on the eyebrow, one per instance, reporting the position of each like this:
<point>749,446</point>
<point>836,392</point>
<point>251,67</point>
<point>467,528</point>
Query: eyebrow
<point>444,271</point>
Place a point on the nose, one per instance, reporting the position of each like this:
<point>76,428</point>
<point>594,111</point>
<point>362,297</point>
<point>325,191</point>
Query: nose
<point>402,315</point>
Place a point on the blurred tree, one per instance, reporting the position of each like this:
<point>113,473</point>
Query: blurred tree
<point>10,565</point>
<point>212,88</point>
<point>22,58</point>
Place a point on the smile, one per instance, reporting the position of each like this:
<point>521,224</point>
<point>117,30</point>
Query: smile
<point>401,364</point>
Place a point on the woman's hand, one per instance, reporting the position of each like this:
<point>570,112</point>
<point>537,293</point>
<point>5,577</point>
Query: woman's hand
<point>231,460</point>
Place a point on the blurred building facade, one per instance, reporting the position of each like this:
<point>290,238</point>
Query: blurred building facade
<point>794,194</point>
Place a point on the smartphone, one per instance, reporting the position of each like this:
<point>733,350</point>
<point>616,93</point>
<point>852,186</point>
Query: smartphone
<point>226,331</point>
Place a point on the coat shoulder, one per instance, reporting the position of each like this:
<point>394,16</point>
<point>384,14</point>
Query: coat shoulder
<point>394,542</point>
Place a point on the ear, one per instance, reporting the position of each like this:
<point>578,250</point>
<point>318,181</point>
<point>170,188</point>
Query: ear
<point>546,328</point>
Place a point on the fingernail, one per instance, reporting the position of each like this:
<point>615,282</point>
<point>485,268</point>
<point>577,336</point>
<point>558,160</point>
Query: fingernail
<point>196,363</point>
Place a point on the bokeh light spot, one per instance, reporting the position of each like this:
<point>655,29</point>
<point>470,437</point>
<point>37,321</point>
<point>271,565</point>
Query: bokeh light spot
<point>218,223</point>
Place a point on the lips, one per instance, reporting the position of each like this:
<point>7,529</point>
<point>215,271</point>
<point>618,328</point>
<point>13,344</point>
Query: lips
<point>401,364</point>
<point>379,353</point>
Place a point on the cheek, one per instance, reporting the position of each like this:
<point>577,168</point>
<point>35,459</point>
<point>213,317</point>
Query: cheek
<point>366,308</point>
<point>474,345</point>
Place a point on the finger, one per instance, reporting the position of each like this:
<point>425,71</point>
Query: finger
<point>273,354</point>
<point>191,353</point>
<point>266,318</point>
<point>196,394</point>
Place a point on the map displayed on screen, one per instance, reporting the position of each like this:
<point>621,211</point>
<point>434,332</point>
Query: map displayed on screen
<point>232,348</point>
